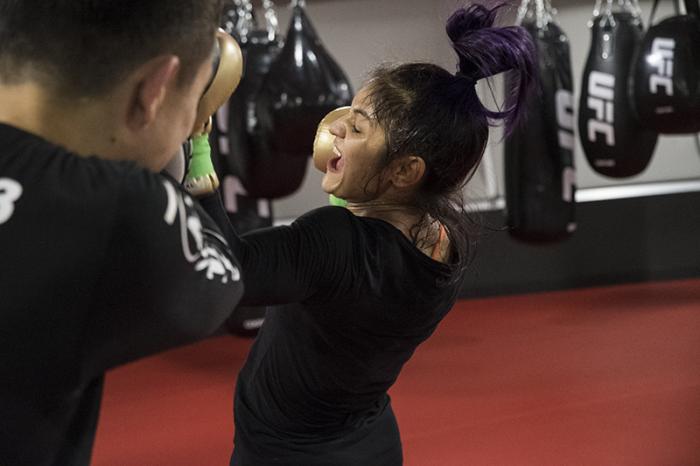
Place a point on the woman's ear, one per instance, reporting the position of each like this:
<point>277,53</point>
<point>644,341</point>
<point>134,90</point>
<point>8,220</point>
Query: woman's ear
<point>407,172</point>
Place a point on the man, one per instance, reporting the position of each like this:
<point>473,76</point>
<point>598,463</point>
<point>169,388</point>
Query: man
<point>102,260</point>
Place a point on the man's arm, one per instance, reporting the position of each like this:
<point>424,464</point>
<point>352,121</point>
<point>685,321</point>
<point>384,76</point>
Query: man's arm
<point>168,279</point>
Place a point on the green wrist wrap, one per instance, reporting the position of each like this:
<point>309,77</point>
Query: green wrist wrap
<point>200,164</point>
<point>337,201</point>
<point>201,177</point>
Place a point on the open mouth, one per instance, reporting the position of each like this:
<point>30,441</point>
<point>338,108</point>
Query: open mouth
<point>336,163</point>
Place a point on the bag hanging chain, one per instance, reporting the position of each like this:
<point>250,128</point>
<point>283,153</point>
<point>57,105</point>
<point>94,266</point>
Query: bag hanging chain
<point>271,21</point>
<point>246,20</point>
<point>678,5</point>
<point>539,10</point>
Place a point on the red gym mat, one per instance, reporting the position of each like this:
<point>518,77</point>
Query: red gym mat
<point>604,376</point>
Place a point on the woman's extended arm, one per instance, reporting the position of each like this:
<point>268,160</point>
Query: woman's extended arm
<point>314,258</point>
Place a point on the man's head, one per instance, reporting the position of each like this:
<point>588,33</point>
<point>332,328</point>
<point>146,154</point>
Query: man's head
<point>84,47</point>
<point>142,61</point>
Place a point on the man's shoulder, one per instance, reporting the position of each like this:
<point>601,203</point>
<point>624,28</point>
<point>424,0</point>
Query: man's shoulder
<point>33,161</point>
<point>40,181</point>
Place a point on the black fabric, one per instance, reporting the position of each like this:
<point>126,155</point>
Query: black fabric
<point>357,299</point>
<point>539,154</point>
<point>100,263</point>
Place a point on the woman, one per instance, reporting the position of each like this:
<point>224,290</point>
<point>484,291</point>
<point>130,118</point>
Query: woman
<point>363,286</point>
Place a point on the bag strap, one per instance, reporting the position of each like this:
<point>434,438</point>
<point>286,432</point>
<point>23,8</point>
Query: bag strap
<point>692,7</point>
<point>653,13</point>
<point>682,7</point>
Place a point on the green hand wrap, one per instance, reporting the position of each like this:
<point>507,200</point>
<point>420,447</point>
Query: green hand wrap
<point>337,201</point>
<point>200,164</point>
<point>201,177</point>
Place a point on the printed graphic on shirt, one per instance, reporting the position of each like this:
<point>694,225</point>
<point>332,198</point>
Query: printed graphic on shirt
<point>10,192</point>
<point>204,257</point>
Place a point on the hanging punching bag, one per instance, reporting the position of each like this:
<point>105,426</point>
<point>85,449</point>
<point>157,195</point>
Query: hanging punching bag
<point>228,138</point>
<point>246,212</point>
<point>260,48</point>
<point>539,162</point>
<point>665,89</point>
<point>229,143</point>
<point>612,139</point>
<point>303,84</point>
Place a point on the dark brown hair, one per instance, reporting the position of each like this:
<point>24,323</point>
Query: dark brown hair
<point>432,113</point>
<point>84,47</point>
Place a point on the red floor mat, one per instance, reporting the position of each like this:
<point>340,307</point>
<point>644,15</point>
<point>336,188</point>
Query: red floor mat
<point>605,376</point>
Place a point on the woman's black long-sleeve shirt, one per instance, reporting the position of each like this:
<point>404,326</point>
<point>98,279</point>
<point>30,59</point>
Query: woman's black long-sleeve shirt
<point>359,298</point>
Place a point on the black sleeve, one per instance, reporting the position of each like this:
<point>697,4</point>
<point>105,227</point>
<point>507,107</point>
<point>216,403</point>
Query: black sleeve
<point>314,259</point>
<point>169,276</point>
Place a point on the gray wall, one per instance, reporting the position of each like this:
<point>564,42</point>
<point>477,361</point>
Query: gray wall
<point>363,33</point>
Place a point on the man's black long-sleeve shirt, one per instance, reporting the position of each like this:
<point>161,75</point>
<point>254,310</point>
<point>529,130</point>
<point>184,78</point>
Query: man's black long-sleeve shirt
<point>101,263</point>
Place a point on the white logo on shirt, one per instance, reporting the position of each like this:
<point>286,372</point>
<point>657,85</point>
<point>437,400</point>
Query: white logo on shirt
<point>10,191</point>
<point>203,257</point>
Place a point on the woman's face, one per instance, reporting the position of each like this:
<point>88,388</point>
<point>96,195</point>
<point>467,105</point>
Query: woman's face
<point>359,147</point>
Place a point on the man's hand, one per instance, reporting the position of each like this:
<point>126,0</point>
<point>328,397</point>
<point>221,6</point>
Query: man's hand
<point>201,178</point>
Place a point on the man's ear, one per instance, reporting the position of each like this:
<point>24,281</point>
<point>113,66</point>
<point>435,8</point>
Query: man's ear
<point>407,172</point>
<point>152,80</point>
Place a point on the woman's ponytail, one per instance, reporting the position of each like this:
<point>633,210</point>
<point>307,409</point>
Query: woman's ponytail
<point>427,111</point>
<point>485,50</point>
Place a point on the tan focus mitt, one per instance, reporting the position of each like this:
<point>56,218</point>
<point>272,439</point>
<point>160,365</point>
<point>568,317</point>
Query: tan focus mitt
<point>323,142</point>
<point>201,178</point>
<point>228,71</point>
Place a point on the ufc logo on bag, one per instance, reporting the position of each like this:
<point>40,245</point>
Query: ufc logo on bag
<point>565,118</point>
<point>565,121</point>
<point>661,58</point>
<point>601,92</point>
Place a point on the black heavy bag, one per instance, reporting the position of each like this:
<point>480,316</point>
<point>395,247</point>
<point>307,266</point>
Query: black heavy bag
<point>303,84</point>
<point>539,162</point>
<point>246,213</point>
<point>260,47</point>
<point>665,88</point>
<point>613,141</point>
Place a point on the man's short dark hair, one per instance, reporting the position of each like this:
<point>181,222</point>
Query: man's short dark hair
<point>85,47</point>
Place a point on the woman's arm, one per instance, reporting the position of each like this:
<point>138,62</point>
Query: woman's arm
<point>315,258</point>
